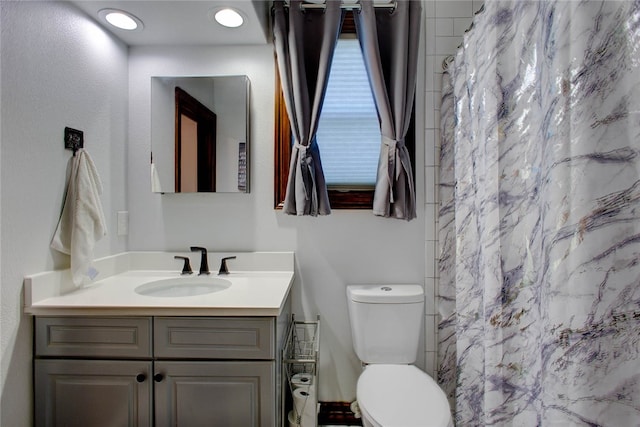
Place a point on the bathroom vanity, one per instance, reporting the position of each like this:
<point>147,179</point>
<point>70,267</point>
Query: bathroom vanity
<point>161,361</point>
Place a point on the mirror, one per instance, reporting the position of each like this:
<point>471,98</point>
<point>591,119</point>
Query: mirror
<point>200,134</point>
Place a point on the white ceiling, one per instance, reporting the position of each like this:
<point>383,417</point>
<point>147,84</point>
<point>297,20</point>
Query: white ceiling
<point>177,22</point>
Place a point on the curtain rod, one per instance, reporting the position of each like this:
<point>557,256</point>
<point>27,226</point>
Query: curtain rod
<point>347,6</point>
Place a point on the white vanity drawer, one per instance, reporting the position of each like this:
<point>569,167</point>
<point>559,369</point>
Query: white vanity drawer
<point>93,337</point>
<point>214,338</point>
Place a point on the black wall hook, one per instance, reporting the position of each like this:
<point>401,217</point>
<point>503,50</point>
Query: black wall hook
<point>73,139</point>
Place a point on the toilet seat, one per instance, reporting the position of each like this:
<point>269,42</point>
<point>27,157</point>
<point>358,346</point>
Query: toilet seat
<point>402,396</point>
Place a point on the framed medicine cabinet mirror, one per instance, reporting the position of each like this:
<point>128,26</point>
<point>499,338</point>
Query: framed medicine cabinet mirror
<point>200,134</point>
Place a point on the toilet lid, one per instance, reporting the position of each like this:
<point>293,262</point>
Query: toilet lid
<point>402,396</point>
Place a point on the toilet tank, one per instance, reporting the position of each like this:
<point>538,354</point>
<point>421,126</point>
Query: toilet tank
<point>386,321</point>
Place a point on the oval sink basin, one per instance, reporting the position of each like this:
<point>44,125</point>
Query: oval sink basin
<point>183,287</point>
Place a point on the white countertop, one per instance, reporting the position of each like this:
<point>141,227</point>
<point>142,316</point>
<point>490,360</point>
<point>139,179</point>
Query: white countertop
<point>261,288</point>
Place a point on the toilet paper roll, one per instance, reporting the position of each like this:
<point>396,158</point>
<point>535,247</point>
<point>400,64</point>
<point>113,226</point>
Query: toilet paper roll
<point>291,417</point>
<point>302,387</point>
<point>305,404</point>
<point>302,379</point>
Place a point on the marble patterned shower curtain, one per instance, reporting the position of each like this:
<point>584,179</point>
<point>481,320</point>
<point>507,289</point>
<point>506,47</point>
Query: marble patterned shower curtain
<point>540,217</point>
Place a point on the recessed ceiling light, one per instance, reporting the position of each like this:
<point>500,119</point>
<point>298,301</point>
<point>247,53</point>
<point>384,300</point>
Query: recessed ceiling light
<point>121,19</point>
<point>228,17</point>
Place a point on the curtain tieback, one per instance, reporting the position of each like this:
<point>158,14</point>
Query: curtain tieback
<point>307,171</point>
<point>394,153</point>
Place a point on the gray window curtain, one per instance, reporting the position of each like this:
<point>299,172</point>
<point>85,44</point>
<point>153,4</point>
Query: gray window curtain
<point>389,42</point>
<point>304,42</point>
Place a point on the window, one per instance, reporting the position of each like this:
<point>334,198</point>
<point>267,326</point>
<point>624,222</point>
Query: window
<point>348,132</point>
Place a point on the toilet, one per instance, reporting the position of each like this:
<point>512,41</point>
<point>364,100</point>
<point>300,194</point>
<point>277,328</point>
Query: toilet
<point>391,392</point>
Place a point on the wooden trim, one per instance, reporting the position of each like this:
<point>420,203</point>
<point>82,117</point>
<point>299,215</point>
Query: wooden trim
<point>349,23</point>
<point>187,105</point>
<point>282,153</point>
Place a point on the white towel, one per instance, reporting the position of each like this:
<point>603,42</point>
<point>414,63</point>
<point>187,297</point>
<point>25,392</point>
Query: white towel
<point>156,187</point>
<point>82,221</point>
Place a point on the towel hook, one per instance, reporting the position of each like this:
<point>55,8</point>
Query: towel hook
<point>73,139</point>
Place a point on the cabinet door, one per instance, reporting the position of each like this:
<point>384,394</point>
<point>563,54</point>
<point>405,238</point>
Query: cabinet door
<point>96,393</point>
<point>207,394</point>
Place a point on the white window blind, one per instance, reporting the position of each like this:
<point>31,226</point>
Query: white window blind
<point>348,131</point>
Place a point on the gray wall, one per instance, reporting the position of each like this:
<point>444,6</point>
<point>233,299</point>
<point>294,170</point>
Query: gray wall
<point>331,252</point>
<point>58,69</point>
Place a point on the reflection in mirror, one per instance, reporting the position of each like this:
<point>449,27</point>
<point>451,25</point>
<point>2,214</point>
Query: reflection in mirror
<point>199,134</point>
<point>195,145</point>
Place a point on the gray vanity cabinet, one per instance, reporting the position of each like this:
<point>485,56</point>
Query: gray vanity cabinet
<point>158,371</point>
<point>81,393</point>
<point>203,393</point>
<point>224,367</point>
<point>93,371</point>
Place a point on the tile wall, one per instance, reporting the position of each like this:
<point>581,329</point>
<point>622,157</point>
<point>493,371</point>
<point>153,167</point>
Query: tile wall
<point>445,23</point>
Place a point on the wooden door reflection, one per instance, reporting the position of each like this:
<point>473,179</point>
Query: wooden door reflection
<point>195,145</point>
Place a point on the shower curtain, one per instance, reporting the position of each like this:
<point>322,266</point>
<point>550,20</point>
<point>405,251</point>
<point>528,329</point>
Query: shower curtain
<point>540,217</point>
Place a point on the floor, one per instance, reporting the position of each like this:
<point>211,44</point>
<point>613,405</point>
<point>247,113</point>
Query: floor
<point>337,414</point>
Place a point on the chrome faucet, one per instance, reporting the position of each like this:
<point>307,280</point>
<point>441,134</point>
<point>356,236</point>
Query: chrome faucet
<point>204,264</point>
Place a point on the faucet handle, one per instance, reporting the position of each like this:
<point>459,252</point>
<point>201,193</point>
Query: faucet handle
<point>186,268</point>
<point>223,265</point>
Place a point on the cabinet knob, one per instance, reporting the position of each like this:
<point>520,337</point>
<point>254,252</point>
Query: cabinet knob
<point>158,377</point>
<point>141,377</point>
